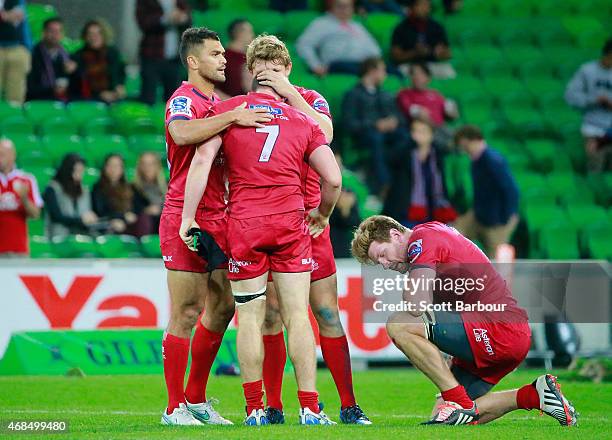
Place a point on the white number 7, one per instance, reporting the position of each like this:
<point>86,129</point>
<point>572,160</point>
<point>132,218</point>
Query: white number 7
<point>268,146</point>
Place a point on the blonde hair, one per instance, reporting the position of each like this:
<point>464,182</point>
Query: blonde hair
<point>374,228</point>
<point>267,48</point>
<point>138,177</point>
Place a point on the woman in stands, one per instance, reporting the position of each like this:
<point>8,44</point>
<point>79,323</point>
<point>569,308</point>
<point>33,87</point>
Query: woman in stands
<point>67,200</point>
<point>150,186</point>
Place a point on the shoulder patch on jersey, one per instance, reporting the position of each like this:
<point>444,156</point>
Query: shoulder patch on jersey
<point>320,105</point>
<point>181,105</point>
<point>415,249</point>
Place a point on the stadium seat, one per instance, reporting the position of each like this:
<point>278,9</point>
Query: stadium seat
<point>98,126</point>
<point>41,247</point>
<point>36,226</point>
<point>43,174</point>
<point>234,5</point>
<point>150,246</point>
<point>553,35</point>
<point>270,22</point>
<point>36,16</point>
<point>39,111</point>
<point>82,112</point>
<point>514,32</point>
<point>8,109</point>
<point>137,126</point>
<point>516,55</point>
<point>536,68</point>
<point>542,153</point>
<point>129,110</point>
<point>582,215</point>
<point>555,8</point>
<point>91,176</point>
<point>459,87</point>
<point>58,146</point>
<point>393,84</point>
<point>498,85</point>
<point>296,22</point>
<point>559,243</point>
<point>540,85</point>
<point>478,114</point>
<point>489,68</point>
<point>599,242</point>
<point>58,125</point>
<point>147,142</point>
<point>16,125</point>
<point>514,8</point>
<point>526,121</point>
<point>529,180</point>
<point>517,99</point>
<point>75,246</point>
<point>118,246</point>
<point>334,89</point>
<point>381,26</point>
<point>484,53</point>
<point>218,20</point>
<point>99,147</point>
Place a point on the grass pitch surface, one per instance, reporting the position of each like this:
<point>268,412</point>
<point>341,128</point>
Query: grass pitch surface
<point>397,400</point>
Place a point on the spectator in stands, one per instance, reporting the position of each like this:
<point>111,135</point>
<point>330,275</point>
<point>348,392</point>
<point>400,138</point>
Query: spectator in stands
<point>19,200</point>
<point>590,90</point>
<point>51,64</point>
<point>150,187</point>
<point>335,43</point>
<point>370,116</point>
<point>418,189</point>
<point>161,22</point>
<point>419,101</point>
<point>237,78</point>
<point>113,197</point>
<point>288,5</point>
<point>494,214</point>
<point>344,220</point>
<point>14,55</point>
<point>421,39</point>
<point>100,72</point>
<point>68,201</point>
<point>387,6</point>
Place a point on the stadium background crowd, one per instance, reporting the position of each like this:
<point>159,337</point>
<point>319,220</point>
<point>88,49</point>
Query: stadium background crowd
<point>418,93</point>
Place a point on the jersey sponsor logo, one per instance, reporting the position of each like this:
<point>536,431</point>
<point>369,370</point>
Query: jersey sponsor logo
<point>307,261</point>
<point>320,105</point>
<point>9,202</point>
<point>415,249</point>
<point>272,110</point>
<point>481,335</point>
<point>167,258</point>
<point>235,265</point>
<point>181,105</point>
<point>315,265</point>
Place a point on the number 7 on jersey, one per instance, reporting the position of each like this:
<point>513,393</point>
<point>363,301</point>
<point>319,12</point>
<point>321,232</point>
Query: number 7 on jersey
<point>268,146</point>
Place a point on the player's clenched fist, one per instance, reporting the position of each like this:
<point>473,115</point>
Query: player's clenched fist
<point>186,225</point>
<point>317,222</point>
<point>250,117</point>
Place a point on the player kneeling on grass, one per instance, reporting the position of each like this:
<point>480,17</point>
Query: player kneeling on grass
<point>267,233</point>
<point>485,345</point>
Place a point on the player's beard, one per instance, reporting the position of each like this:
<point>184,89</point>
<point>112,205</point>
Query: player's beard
<point>400,267</point>
<point>213,76</point>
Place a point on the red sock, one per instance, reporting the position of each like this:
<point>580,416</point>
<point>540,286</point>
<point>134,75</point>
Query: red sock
<point>527,397</point>
<point>175,352</point>
<point>275,357</point>
<point>338,360</point>
<point>253,395</point>
<point>204,348</point>
<point>458,395</point>
<point>309,399</point>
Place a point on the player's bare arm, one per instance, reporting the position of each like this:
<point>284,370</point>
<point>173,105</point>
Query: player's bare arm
<point>191,132</point>
<point>279,82</point>
<point>322,160</point>
<point>196,185</point>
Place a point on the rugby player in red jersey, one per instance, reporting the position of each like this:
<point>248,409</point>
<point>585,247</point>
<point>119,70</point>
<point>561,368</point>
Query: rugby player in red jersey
<point>195,282</point>
<point>487,340</point>
<point>270,62</point>
<point>267,232</point>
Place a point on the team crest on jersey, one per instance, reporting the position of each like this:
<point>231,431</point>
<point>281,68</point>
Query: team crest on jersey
<point>320,104</point>
<point>414,250</point>
<point>272,110</point>
<point>181,105</point>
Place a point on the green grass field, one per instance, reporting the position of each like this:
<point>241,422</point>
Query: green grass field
<point>129,407</point>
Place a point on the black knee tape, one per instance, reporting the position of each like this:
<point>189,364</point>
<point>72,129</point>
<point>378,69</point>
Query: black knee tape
<point>243,299</point>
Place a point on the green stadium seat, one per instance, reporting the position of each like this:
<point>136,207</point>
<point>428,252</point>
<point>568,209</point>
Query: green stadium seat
<point>118,246</point>
<point>536,68</point>
<point>478,114</point>
<point>39,111</point>
<point>147,142</point>
<point>9,109</point>
<point>334,89</point>
<point>517,99</point>
<point>562,183</point>
<point>98,126</point>
<point>58,125</point>
<point>559,243</point>
<point>601,185</point>
<point>41,247</point>
<point>36,15</point>
<point>537,196</point>
<point>599,242</point>
<point>234,5</point>
<point>150,246</point>
<point>498,85</point>
<point>514,32</point>
<point>91,176</point>
<point>24,143</point>
<point>478,8</point>
<point>458,179</point>
<point>82,112</point>
<point>71,45</point>
<point>483,53</point>
<point>219,20</point>
<point>43,175</point>
<point>137,126</point>
<point>270,22</point>
<point>75,246</point>
<point>296,22</point>
<point>16,125</point>
<point>583,215</point>
<point>129,110</point>
<point>99,147</point>
<point>459,87</point>
<point>517,55</point>
<point>489,68</point>
<point>541,153</point>
<point>540,85</point>
<point>58,145</point>
<point>555,8</point>
<point>381,26</point>
<point>526,121</point>
<point>526,181</point>
<point>393,84</point>
<point>36,226</point>
<point>554,35</point>
<point>514,8</point>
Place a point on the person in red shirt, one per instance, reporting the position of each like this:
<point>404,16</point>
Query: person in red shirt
<point>195,282</point>
<point>454,301</point>
<point>19,200</point>
<point>267,233</point>
<point>238,80</point>
<point>270,62</point>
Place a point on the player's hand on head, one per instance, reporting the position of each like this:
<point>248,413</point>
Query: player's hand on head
<point>251,117</point>
<point>317,222</point>
<point>279,82</point>
<point>186,225</point>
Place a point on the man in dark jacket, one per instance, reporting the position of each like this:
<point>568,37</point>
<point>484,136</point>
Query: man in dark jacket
<point>371,118</point>
<point>494,215</point>
<point>51,64</point>
<point>162,22</point>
